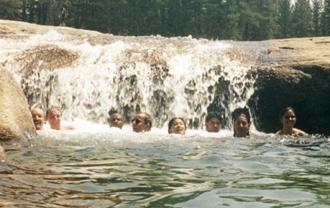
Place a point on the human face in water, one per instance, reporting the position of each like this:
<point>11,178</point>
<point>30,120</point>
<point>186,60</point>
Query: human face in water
<point>54,118</point>
<point>38,118</point>
<point>213,125</point>
<point>138,124</point>
<point>116,120</point>
<point>177,127</point>
<point>241,126</point>
<point>289,119</point>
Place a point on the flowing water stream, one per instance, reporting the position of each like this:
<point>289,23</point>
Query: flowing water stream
<point>98,166</point>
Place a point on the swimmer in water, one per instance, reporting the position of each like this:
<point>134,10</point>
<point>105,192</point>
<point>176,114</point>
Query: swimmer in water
<point>116,120</point>
<point>242,123</point>
<point>213,122</point>
<point>141,122</point>
<point>38,118</point>
<point>54,117</point>
<point>177,126</point>
<point>288,120</point>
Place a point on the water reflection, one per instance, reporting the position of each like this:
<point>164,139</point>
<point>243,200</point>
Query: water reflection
<point>111,169</point>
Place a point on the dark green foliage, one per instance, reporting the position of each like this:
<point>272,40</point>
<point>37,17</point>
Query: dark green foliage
<point>326,18</point>
<point>284,21</point>
<point>316,22</point>
<point>216,19</point>
<point>9,10</point>
<point>302,19</point>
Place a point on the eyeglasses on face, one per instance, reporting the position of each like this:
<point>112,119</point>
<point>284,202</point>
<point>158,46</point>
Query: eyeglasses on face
<point>288,117</point>
<point>137,121</point>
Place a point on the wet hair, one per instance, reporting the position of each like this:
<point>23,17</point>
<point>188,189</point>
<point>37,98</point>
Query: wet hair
<point>284,110</point>
<point>244,112</point>
<point>38,108</point>
<point>211,115</point>
<point>116,114</point>
<point>47,112</point>
<point>113,115</point>
<point>147,118</point>
<point>172,121</point>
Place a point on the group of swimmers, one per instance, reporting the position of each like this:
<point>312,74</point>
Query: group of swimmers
<point>142,122</point>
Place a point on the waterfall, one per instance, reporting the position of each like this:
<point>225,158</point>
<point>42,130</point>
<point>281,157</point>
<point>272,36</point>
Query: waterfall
<point>88,78</point>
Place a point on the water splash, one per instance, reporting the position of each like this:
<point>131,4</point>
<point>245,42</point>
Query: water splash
<point>90,77</point>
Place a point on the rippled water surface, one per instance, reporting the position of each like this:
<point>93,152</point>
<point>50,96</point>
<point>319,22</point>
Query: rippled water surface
<point>124,169</point>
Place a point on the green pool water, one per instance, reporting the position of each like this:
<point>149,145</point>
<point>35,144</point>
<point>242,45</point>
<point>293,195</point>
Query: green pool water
<point>115,169</point>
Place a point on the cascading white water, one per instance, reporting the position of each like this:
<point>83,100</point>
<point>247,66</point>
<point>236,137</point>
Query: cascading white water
<point>89,77</point>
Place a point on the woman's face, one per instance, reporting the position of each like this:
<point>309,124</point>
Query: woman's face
<point>289,119</point>
<point>177,127</point>
<point>241,126</point>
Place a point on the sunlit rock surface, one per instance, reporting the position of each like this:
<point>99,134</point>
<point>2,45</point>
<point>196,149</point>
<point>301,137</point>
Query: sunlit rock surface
<point>15,27</point>
<point>300,81</point>
<point>16,121</point>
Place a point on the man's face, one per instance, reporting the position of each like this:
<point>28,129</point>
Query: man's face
<point>138,123</point>
<point>213,125</point>
<point>116,120</point>
<point>54,118</point>
<point>38,118</point>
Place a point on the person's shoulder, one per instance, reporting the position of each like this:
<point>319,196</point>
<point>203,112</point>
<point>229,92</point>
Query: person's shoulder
<point>280,132</point>
<point>70,127</point>
<point>298,132</point>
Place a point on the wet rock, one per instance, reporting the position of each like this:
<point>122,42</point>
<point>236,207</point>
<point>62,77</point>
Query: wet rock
<point>300,81</point>
<point>289,72</point>
<point>16,120</point>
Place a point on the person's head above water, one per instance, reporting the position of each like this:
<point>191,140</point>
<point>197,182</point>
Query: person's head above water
<point>38,118</point>
<point>242,123</point>
<point>54,117</point>
<point>142,122</point>
<point>288,117</point>
<point>177,125</point>
<point>288,120</point>
<point>213,122</point>
<point>116,120</point>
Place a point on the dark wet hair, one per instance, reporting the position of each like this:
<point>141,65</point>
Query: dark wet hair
<point>244,112</point>
<point>113,115</point>
<point>147,118</point>
<point>47,112</point>
<point>172,121</point>
<point>284,110</point>
<point>211,115</point>
<point>117,114</point>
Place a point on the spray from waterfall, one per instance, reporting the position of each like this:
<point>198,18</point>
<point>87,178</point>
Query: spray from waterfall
<point>88,78</point>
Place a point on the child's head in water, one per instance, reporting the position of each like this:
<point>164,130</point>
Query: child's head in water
<point>242,123</point>
<point>177,126</point>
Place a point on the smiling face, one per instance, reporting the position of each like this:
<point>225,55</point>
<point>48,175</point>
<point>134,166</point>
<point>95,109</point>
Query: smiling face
<point>38,118</point>
<point>289,119</point>
<point>116,120</point>
<point>138,123</point>
<point>241,126</point>
<point>177,127</point>
<point>54,117</point>
<point>213,125</point>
